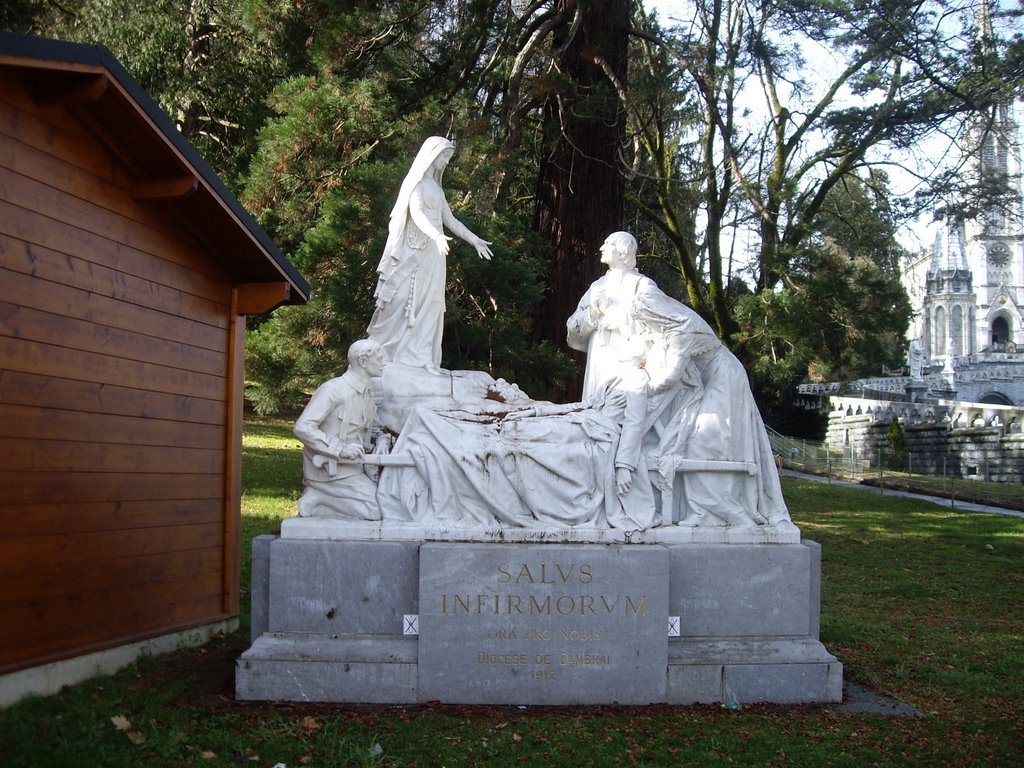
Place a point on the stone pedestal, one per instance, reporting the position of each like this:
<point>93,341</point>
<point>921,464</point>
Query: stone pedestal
<point>916,391</point>
<point>401,621</point>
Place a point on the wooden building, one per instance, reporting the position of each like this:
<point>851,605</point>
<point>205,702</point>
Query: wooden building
<point>126,270</point>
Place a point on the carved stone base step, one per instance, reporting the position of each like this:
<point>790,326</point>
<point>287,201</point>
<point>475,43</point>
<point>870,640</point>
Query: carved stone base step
<point>535,623</point>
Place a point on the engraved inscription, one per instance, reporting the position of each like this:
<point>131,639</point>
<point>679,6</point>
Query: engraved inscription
<point>555,575</point>
<point>543,628</point>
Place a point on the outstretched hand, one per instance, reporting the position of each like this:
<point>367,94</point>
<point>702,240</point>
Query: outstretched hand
<point>482,250</point>
<point>442,242</point>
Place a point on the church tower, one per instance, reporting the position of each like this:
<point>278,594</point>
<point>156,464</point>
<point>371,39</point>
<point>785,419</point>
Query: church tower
<point>994,242</point>
<point>948,313</point>
<point>969,289</point>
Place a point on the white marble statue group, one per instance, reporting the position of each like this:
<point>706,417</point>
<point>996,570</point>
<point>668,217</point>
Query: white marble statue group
<point>667,432</point>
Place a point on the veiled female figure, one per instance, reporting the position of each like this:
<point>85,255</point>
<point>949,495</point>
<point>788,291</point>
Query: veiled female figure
<point>409,317</point>
<point>713,417</point>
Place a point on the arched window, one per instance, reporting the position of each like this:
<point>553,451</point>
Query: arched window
<point>940,331</point>
<point>1000,332</point>
<point>956,330</point>
<point>996,398</point>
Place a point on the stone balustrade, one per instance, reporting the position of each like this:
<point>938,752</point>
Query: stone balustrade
<point>950,437</point>
<point>954,414</point>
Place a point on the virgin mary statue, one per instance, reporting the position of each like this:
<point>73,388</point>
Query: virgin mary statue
<point>409,317</point>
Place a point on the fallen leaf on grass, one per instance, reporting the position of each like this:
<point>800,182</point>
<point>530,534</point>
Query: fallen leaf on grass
<point>124,725</point>
<point>310,725</point>
<point>207,755</point>
<point>516,737</point>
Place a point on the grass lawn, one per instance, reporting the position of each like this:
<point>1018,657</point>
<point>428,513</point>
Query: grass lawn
<point>921,603</point>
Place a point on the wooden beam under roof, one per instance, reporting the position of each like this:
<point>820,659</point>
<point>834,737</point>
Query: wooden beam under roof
<point>259,298</point>
<point>71,91</point>
<point>163,190</point>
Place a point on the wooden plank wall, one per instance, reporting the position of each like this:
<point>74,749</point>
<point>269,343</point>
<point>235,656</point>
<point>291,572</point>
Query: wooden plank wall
<point>114,365</point>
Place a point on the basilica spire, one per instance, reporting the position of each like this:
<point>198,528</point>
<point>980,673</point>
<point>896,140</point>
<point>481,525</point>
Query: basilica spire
<point>994,127</point>
<point>949,250</point>
<point>986,35</point>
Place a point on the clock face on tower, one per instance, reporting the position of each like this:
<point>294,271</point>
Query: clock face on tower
<point>998,255</point>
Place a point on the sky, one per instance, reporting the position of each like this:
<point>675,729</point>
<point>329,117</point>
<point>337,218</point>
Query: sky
<point>914,236</point>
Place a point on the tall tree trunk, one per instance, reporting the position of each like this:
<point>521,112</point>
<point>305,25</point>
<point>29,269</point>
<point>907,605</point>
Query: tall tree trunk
<point>580,187</point>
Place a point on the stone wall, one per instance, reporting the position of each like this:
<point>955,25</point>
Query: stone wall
<point>981,375</point>
<point>490,622</point>
<point>951,438</point>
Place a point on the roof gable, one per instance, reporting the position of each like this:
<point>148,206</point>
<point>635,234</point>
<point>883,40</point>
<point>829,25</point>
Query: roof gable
<point>90,83</point>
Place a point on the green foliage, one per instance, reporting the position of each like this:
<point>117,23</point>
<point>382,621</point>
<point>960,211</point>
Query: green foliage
<point>273,363</point>
<point>488,325</point>
<point>843,311</point>
<point>319,187</point>
<point>896,439</point>
<point>313,155</point>
<point>21,15</point>
<point>208,63</point>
